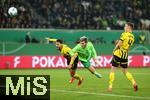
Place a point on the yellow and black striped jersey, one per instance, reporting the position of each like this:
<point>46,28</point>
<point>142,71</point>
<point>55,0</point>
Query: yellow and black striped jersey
<point>127,41</point>
<point>65,52</point>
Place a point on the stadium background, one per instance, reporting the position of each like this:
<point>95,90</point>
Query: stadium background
<point>101,21</point>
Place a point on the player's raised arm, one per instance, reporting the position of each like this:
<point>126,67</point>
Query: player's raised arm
<point>74,55</point>
<point>119,42</point>
<point>50,39</point>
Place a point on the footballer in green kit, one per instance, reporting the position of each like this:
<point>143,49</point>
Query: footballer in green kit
<point>85,51</point>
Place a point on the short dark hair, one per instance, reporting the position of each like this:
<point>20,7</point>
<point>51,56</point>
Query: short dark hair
<point>60,41</point>
<point>84,38</point>
<point>131,25</point>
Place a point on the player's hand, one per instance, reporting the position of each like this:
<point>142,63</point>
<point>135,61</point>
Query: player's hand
<point>47,39</point>
<point>69,66</point>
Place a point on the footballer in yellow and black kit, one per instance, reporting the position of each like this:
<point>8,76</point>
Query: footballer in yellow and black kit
<point>64,50</point>
<point>120,55</point>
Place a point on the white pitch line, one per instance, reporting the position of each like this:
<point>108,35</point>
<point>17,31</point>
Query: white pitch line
<point>100,94</point>
<point>16,50</point>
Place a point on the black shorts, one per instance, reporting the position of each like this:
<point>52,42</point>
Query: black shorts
<point>74,66</point>
<point>116,62</point>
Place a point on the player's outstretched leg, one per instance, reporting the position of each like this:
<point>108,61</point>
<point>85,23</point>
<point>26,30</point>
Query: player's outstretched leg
<point>130,78</point>
<point>93,71</point>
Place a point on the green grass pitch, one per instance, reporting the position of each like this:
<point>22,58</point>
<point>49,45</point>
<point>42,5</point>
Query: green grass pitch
<point>92,87</point>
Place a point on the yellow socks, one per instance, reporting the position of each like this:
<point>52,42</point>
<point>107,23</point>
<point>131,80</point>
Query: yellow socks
<point>111,79</point>
<point>130,77</point>
<point>78,77</point>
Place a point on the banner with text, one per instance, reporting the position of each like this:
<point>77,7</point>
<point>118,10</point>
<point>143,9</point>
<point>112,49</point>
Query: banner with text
<point>11,62</point>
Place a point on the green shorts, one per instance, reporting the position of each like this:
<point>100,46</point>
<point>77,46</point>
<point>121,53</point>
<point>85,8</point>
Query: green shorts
<point>86,64</point>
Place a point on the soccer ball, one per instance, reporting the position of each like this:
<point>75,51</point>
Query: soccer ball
<point>12,11</point>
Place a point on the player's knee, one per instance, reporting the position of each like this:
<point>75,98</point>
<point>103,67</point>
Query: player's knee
<point>124,70</point>
<point>72,73</point>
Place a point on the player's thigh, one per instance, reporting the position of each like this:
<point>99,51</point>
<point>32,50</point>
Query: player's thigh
<point>124,67</point>
<point>74,67</point>
<point>113,68</point>
<point>124,70</point>
<point>86,64</point>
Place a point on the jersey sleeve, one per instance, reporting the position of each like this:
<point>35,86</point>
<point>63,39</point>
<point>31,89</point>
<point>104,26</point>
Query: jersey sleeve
<point>52,40</point>
<point>93,51</point>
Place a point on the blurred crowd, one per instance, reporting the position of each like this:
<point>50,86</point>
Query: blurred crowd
<point>76,14</point>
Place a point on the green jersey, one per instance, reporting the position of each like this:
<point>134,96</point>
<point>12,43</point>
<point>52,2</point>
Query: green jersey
<point>84,54</point>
